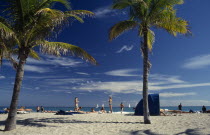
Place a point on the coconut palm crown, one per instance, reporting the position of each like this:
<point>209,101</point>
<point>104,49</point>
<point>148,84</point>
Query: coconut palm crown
<point>145,15</point>
<point>26,25</point>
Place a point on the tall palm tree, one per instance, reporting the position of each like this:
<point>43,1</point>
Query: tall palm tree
<point>25,25</point>
<point>144,15</point>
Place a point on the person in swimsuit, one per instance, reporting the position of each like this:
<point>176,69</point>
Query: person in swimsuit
<point>121,107</point>
<point>110,103</point>
<point>37,109</point>
<point>76,102</point>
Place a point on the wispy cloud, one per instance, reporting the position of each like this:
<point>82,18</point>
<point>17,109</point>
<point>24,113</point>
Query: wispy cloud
<point>198,62</point>
<point>125,48</point>
<point>57,61</point>
<point>2,77</point>
<point>122,72</point>
<point>167,78</point>
<point>171,94</point>
<point>36,69</point>
<point>82,73</point>
<point>135,86</point>
<point>39,66</point>
<point>107,12</point>
<point>65,81</point>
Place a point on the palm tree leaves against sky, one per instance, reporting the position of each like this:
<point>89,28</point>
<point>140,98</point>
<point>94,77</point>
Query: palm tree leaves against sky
<point>144,15</point>
<point>26,24</point>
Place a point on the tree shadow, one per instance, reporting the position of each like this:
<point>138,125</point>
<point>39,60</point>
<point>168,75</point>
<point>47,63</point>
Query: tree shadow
<point>43,122</point>
<point>142,132</point>
<point>191,132</point>
<point>27,122</point>
<point>64,120</point>
<point>149,132</point>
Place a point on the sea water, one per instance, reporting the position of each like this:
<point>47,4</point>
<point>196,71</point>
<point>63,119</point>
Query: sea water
<point>115,109</point>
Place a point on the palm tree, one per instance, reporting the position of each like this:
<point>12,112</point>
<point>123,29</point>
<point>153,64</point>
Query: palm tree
<point>144,15</point>
<point>24,26</point>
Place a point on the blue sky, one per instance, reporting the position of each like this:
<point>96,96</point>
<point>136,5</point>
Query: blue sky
<point>180,66</point>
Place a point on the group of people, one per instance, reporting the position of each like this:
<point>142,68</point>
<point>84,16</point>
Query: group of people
<point>203,108</point>
<point>77,108</point>
<point>39,109</point>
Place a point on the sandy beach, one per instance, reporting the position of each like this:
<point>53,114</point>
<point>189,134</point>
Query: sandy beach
<point>107,124</point>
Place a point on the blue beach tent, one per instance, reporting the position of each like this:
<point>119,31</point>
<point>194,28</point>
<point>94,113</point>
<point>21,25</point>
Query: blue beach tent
<point>154,105</point>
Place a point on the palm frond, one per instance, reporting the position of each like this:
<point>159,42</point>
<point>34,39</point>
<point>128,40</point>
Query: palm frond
<point>6,32</point>
<point>60,48</point>
<point>47,3</point>
<point>33,54</point>
<point>6,53</point>
<point>151,39</point>
<point>121,27</point>
<point>175,25</point>
<point>122,4</point>
<point>48,22</point>
<point>81,13</point>
<point>75,17</point>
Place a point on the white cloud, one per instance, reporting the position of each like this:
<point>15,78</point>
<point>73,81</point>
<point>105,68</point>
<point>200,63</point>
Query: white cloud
<point>198,62</point>
<point>107,12</point>
<point>82,73</point>
<point>171,94</point>
<point>118,87</point>
<point>57,61</point>
<point>125,48</point>
<point>67,81</point>
<point>33,65</point>
<point>101,12</point>
<point>167,78</point>
<point>37,88</point>
<point>164,82</point>
<point>122,72</point>
<point>2,77</point>
<point>36,69</point>
<point>179,86</point>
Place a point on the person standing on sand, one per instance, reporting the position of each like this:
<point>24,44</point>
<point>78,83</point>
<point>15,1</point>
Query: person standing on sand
<point>42,109</point>
<point>204,109</point>
<point>110,103</point>
<point>37,109</point>
<point>121,107</point>
<point>180,107</point>
<point>76,102</point>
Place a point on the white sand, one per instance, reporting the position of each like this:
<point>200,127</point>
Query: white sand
<point>107,124</point>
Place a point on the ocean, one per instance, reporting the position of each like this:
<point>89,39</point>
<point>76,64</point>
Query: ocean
<point>115,109</point>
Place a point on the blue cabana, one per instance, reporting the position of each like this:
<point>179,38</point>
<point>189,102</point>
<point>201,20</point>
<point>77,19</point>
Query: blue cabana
<point>154,105</point>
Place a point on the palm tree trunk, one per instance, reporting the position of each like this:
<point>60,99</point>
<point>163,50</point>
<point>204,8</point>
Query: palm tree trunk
<point>145,78</point>
<point>11,119</point>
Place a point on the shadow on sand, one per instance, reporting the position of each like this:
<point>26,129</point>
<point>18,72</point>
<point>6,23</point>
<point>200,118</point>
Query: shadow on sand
<point>149,132</point>
<point>26,122</point>
<point>142,132</point>
<point>43,122</point>
<point>64,120</point>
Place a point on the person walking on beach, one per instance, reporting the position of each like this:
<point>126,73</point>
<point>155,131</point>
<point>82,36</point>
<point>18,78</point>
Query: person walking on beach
<point>76,102</point>
<point>110,103</point>
<point>37,109</point>
<point>42,109</point>
<point>204,109</point>
<point>121,107</point>
<point>180,107</point>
